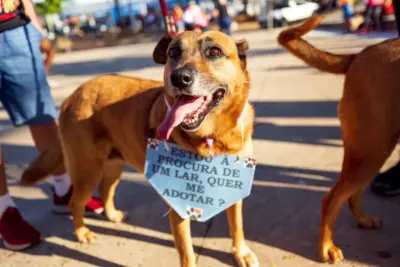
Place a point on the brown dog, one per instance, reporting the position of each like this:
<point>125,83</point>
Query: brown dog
<point>369,113</point>
<point>107,121</point>
<point>47,49</point>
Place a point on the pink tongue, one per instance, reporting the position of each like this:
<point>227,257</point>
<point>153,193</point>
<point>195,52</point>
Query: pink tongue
<point>183,105</point>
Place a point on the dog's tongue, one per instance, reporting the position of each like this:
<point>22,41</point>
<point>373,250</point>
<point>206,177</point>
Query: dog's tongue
<point>183,105</point>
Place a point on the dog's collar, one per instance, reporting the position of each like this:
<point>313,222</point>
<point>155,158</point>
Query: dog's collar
<point>209,140</point>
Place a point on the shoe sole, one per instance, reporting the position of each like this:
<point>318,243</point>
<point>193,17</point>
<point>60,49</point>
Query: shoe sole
<point>20,247</point>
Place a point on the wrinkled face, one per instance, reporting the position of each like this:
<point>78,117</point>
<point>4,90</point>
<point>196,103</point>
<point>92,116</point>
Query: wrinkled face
<point>202,74</point>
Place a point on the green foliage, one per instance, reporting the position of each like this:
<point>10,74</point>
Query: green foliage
<point>49,7</point>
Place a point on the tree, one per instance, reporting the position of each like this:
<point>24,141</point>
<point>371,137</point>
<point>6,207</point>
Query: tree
<point>48,7</point>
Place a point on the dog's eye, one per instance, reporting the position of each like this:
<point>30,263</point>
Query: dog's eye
<point>214,52</point>
<point>174,53</point>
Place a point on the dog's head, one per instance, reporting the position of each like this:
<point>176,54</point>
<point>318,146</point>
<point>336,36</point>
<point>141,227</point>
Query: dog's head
<point>205,75</point>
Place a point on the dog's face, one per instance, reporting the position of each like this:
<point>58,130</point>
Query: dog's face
<point>204,74</point>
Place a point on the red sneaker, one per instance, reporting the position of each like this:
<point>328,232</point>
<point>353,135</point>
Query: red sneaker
<point>17,233</point>
<point>60,204</point>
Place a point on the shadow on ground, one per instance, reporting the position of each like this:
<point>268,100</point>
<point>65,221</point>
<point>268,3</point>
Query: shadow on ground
<point>96,67</point>
<point>317,135</point>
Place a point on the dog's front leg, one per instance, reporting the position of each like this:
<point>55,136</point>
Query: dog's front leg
<point>243,255</point>
<point>180,229</point>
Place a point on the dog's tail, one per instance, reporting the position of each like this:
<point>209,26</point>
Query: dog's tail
<point>45,164</point>
<point>291,39</point>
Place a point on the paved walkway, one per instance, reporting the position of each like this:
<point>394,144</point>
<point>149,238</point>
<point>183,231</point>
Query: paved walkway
<point>297,144</point>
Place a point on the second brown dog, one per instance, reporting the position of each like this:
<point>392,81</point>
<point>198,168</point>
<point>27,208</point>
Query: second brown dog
<point>369,113</point>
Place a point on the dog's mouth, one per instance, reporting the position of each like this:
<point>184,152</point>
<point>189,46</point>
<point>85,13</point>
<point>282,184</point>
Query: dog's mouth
<point>189,112</point>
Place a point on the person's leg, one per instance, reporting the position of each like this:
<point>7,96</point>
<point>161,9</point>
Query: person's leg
<point>29,102</point>
<point>368,18</point>
<point>17,234</point>
<point>388,182</point>
<point>3,182</point>
<point>44,136</point>
<point>225,25</point>
<point>378,17</point>
<point>347,14</point>
<point>396,6</point>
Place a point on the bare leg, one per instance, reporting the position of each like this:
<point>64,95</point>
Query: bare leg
<point>3,181</point>
<point>44,136</point>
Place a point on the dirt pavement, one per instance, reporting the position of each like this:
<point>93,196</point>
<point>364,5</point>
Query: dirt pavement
<point>298,147</point>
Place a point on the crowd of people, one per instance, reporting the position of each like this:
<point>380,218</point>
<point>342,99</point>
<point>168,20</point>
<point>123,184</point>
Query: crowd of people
<point>197,19</point>
<point>372,18</point>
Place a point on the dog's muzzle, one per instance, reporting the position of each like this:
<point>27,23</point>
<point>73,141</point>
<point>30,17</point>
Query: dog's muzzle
<point>182,78</point>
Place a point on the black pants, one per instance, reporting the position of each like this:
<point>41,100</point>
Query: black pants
<point>396,6</point>
<point>373,17</point>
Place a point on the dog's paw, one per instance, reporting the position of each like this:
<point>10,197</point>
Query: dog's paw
<point>153,144</point>
<point>84,235</point>
<point>117,216</point>
<point>194,213</point>
<point>250,163</point>
<point>245,257</point>
<point>331,253</point>
<point>369,222</point>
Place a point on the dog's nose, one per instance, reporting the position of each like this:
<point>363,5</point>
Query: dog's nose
<point>182,78</point>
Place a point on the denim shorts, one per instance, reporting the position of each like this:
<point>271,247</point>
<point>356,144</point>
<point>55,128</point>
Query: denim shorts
<point>24,91</point>
<point>347,11</point>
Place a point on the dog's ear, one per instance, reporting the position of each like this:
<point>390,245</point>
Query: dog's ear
<point>160,52</point>
<point>242,47</point>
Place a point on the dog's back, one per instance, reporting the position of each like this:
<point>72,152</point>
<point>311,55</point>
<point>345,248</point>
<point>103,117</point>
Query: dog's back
<point>90,111</point>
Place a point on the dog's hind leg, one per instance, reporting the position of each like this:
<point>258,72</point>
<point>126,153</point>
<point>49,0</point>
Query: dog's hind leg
<point>243,255</point>
<point>180,229</point>
<point>364,220</point>
<point>357,172</point>
<point>111,176</point>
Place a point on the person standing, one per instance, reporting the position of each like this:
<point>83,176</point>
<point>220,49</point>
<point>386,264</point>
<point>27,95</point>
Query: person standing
<point>373,16</point>
<point>177,14</point>
<point>224,19</point>
<point>25,95</point>
<point>348,13</point>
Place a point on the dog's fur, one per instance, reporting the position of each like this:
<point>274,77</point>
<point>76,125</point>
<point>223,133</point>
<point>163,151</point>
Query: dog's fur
<point>107,121</point>
<point>369,113</point>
